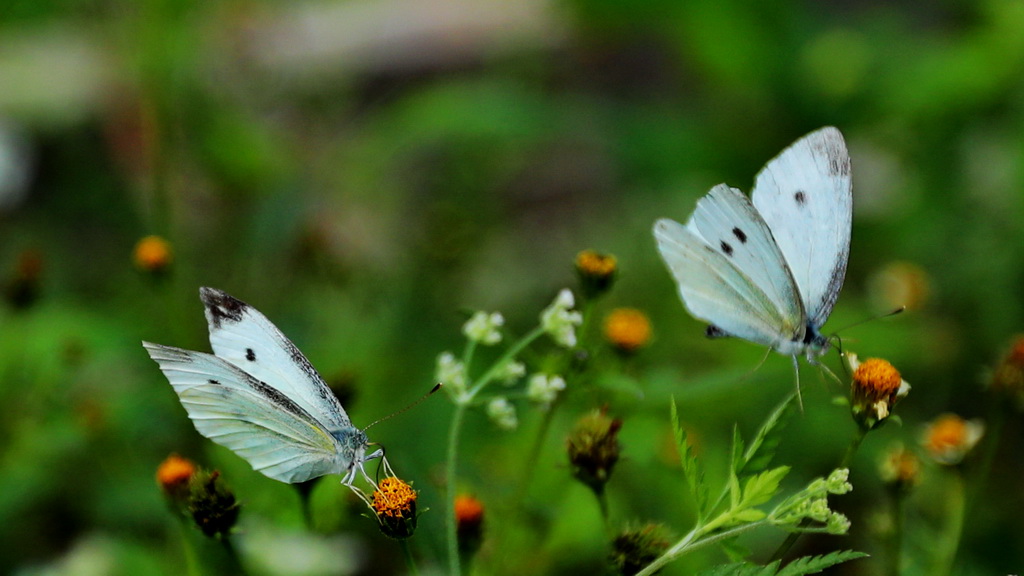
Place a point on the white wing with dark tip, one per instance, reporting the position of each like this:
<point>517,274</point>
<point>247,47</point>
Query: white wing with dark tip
<point>805,196</point>
<point>244,337</point>
<point>259,423</point>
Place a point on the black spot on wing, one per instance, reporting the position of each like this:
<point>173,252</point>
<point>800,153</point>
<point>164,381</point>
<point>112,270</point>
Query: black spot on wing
<point>713,331</point>
<point>214,382</point>
<point>726,248</point>
<point>221,306</point>
<point>801,198</point>
<point>250,355</point>
<point>740,235</point>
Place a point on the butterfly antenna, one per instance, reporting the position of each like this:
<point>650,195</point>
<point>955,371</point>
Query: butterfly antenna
<point>407,408</point>
<point>873,318</point>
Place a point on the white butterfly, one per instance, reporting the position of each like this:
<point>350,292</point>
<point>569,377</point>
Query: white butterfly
<point>769,269</point>
<point>261,398</point>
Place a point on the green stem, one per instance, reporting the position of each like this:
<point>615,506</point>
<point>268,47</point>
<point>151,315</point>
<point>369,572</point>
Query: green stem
<point>410,562</point>
<point>538,444</point>
<point>692,542</point>
<point>461,404</point>
<point>602,502</point>
<point>896,541</point>
<point>950,540</point>
<point>450,470</point>
<point>191,558</point>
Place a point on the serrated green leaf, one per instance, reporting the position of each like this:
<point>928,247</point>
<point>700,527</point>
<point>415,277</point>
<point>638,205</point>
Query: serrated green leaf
<point>737,451</point>
<point>815,564</point>
<point>762,487</point>
<point>692,469</point>
<point>761,451</point>
<point>735,494</point>
<point>741,569</point>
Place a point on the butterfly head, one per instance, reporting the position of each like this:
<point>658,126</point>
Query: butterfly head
<point>815,343</point>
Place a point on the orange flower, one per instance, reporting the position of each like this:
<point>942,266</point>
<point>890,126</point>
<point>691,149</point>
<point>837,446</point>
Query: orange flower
<point>875,389</point>
<point>152,254</point>
<point>394,502</point>
<point>469,520</point>
<point>173,476</point>
<point>468,511</point>
<point>627,329</point>
<point>596,272</point>
<point>949,438</point>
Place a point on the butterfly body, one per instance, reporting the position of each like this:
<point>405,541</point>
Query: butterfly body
<point>259,396</point>
<point>768,268</point>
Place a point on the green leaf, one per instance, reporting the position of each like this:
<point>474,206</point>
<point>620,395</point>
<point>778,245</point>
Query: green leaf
<point>815,564</point>
<point>691,466</point>
<point>741,569</point>
<point>761,451</point>
<point>761,488</point>
<point>735,494</point>
<point>747,516</point>
<point>798,567</point>
<point>737,450</point>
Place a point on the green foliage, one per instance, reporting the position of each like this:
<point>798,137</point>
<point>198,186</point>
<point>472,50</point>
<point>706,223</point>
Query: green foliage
<point>798,567</point>
<point>691,467</point>
<point>361,174</point>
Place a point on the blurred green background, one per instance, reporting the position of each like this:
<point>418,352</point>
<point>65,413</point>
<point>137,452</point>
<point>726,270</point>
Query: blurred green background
<point>363,172</point>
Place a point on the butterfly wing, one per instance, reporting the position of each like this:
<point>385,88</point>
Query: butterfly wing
<point>244,337</point>
<point>275,434</point>
<point>805,196</point>
<point>729,271</point>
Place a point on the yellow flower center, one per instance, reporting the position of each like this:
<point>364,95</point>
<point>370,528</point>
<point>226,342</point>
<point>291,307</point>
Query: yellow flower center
<point>627,329</point>
<point>593,264</point>
<point>152,253</point>
<point>947,432</point>
<point>877,376</point>
<point>393,497</point>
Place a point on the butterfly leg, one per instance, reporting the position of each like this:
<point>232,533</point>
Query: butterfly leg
<point>796,374</point>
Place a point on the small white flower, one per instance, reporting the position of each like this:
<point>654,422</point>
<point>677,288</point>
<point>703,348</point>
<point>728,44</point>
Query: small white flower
<point>452,374</point>
<point>510,372</point>
<point>560,321</point>
<point>543,389</point>
<point>483,328</point>
<point>502,413</point>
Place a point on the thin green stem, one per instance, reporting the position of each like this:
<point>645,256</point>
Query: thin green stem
<point>851,450</point>
<point>693,542</point>
<point>191,558</point>
<point>450,469</point>
<point>896,540</point>
<point>509,354</point>
<point>602,503</point>
<point>410,562</point>
<point>461,404</point>
<point>949,541</point>
<point>538,444</point>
